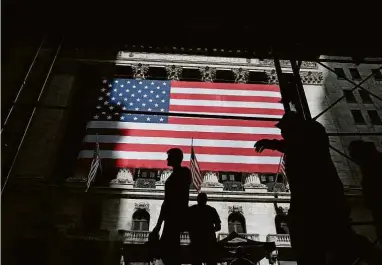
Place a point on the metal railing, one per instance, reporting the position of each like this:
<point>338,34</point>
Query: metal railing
<point>255,237</point>
<point>281,240</point>
<point>141,237</point>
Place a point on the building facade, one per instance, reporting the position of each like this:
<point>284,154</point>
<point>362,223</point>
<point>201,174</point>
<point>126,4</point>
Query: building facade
<point>123,205</point>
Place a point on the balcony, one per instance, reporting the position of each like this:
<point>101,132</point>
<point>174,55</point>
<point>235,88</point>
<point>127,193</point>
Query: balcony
<point>281,240</point>
<point>141,237</point>
<point>254,237</point>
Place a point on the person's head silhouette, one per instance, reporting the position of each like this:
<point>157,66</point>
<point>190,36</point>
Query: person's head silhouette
<point>175,157</point>
<point>290,124</point>
<point>202,199</point>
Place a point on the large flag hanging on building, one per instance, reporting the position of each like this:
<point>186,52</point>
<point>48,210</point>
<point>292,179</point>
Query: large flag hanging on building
<point>94,166</point>
<point>137,140</point>
<point>197,178</point>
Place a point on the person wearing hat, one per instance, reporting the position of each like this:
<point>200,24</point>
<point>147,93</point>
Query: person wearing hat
<point>316,189</point>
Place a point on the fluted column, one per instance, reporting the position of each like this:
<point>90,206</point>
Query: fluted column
<point>211,182</point>
<point>163,177</point>
<point>253,184</point>
<point>124,177</point>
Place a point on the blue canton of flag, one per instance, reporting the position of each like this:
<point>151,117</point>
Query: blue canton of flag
<point>135,95</point>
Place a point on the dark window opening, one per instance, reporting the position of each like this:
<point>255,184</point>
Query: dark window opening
<point>365,96</point>
<point>377,74</point>
<point>236,223</point>
<point>340,73</point>
<point>225,76</point>
<point>158,73</point>
<point>357,116</point>
<point>123,71</point>
<point>147,173</point>
<point>258,77</point>
<point>374,117</point>
<point>349,96</point>
<point>230,176</point>
<point>141,220</point>
<point>355,74</point>
<point>191,75</point>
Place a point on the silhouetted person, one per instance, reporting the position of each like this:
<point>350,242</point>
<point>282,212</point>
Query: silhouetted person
<point>240,258</point>
<point>174,208</point>
<point>204,223</point>
<point>369,160</point>
<point>317,204</point>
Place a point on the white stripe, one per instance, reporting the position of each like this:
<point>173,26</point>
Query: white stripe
<point>168,141</point>
<point>225,92</point>
<point>231,104</point>
<point>183,127</point>
<point>234,114</point>
<point>270,160</point>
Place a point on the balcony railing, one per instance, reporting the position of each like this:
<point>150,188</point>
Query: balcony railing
<point>233,186</point>
<point>247,236</point>
<point>140,237</point>
<point>281,240</point>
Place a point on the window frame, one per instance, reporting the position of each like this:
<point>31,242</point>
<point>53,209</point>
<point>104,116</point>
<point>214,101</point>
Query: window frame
<point>354,113</point>
<point>355,75</point>
<point>340,73</point>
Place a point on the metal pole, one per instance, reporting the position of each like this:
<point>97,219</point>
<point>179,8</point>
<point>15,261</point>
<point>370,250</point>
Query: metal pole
<point>23,84</point>
<point>279,73</point>
<point>31,117</point>
<point>300,91</point>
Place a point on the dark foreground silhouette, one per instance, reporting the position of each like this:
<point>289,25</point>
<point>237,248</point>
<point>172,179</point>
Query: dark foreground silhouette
<point>318,217</point>
<point>174,209</point>
<point>204,222</point>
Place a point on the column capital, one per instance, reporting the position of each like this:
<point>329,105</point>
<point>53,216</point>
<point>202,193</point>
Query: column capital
<point>241,75</point>
<point>140,70</point>
<point>124,176</point>
<point>208,74</point>
<point>174,72</point>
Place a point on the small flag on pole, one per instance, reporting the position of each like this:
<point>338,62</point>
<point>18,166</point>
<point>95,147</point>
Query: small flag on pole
<point>94,166</point>
<point>197,178</point>
<point>282,166</point>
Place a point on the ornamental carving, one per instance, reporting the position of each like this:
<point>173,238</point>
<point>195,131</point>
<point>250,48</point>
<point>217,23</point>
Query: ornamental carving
<point>174,72</point>
<point>312,78</point>
<point>235,209</point>
<point>164,175</point>
<point>142,206</point>
<point>286,64</point>
<point>272,76</point>
<point>241,75</point>
<point>211,180</point>
<point>252,180</point>
<point>140,71</point>
<point>208,74</point>
<point>124,176</point>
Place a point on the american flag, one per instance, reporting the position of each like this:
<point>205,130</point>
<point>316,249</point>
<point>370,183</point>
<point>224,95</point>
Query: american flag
<point>94,166</point>
<point>197,178</point>
<point>141,140</point>
<point>282,166</point>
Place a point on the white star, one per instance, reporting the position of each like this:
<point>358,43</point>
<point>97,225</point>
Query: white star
<point>110,85</point>
<point>109,117</point>
<point>132,95</point>
<point>96,117</point>
<point>161,110</point>
<point>124,108</point>
<point>106,103</point>
<point>136,108</point>
<point>122,118</point>
<point>134,86</point>
<point>148,119</point>
<point>143,104</point>
<point>100,98</point>
<point>104,81</point>
<point>98,107</point>
<point>108,94</point>
<point>145,96</point>
<point>146,87</point>
<point>115,90</point>
<point>103,89</point>
<point>120,94</point>
<point>163,100</point>
<point>128,82</point>
<point>111,107</point>
<point>150,100</point>
<point>127,90</point>
<point>149,109</point>
<point>157,96</point>
<point>152,83</point>
<point>135,118</point>
<point>113,98</point>
<point>121,85</point>
<point>125,99</point>
<point>151,91</point>
<point>164,83</point>
<point>118,103</point>
<point>156,105</point>
<point>161,119</point>
<point>103,113</point>
<point>158,87</point>
<point>140,82</point>
<point>138,99</point>
<point>163,92</point>
<point>116,113</point>
<point>116,81</point>
<point>139,91</point>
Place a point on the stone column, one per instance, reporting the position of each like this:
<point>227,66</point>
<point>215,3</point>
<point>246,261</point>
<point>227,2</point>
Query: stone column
<point>211,182</point>
<point>163,177</point>
<point>253,184</point>
<point>124,179</point>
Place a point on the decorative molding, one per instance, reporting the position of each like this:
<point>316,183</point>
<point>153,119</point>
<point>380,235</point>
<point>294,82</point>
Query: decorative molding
<point>140,71</point>
<point>252,180</point>
<point>286,64</point>
<point>208,73</point>
<point>142,206</point>
<point>241,75</point>
<point>272,76</point>
<point>312,78</point>
<point>165,174</point>
<point>124,176</point>
<point>174,72</point>
<point>235,209</point>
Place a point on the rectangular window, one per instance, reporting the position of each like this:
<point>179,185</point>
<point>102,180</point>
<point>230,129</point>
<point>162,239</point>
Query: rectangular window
<point>365,96</point>
<point>374,117</point>
<point>377,74</point>
<point>232,177</point>
<point>340,73</point>
<point>358,118</point>
<point>349,96</point>
<point>224,177</point>
<point>354,73</point>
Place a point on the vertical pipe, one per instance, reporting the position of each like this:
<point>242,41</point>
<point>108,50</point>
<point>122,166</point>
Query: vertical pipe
<point>300,91</point>
<point>279,73</point>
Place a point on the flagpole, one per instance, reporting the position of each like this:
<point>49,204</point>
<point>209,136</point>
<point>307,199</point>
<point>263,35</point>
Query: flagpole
<point>278,172</point>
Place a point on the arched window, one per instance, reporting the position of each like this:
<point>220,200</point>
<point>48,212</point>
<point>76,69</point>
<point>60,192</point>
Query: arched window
<point>141,220</point>
<point>236,222</point>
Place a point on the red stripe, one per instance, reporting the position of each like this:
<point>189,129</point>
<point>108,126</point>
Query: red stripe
<point>226,98</point>
<point>228,86</point>
<point>185,149</point>
<point>226,110</point>
<point>204,166</point>
<point>189,135</point>
<point>222,122</point>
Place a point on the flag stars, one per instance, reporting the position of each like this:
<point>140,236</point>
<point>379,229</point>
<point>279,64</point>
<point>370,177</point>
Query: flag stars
<point>104,81</point>
<point>132,95</point>
<point>108,94</point>
<point>157,96</point>
<point>164,83</point>
<point>115,90</point>
<point>131,103</point>
<point>111,107</point>
<point>136,109</point>
<point>122,118</point>
<point>163,101</point>
<point>124,108</point>
<point>116,113</point>
<point>163,92</point>
<point>152,83</point>
<point>110,85</point>
<point>151,91</point>
<point>150,100</point>
<point>156,105</point>
<point>135,118</point>
<point>125,99</point>
<point>109,117</point>
<point>116,81</point>
<point>120,94</point>
<point>103,89</point>
<point>158,87</point>
<point>127,90</point>
<point>134,86</point>
<point>113,98</point>
<point>139,91</point>
<point>144,104</point>
<point>138,99</point>
<point>161,119</point>
<point>118,103</point>
<point>140,82</point>
<point>96,117</point>
<point>148,119</point>
<point>98,107</point>
<point>146,87</point>
<point>161,110</point>
<point>145,96</point>
<point>103,113</point>
<point>100,98</point>
<point>149,109</point>
<point>122,85</point>
<point>106,103</point>
<point>128,82</point>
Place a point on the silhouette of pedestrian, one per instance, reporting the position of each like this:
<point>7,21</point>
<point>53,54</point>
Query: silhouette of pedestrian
<point>204,223</point>
<point>367,157</point>
<point>174,208</point>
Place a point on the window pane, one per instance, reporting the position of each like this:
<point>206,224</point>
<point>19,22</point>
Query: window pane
<point>263,178</point>
<point>354,73</point>
<point>365,96</point>
<point>375,119</point>
<point>340,73</point>
<point>357,116</point>
<point>232,177</point>
<point>224,177</point>
<point>145,226</point>
<point>271,179</point>
<point>231,227</point>
<point>239,227</point>
<point>152,175</point>
<point>144,174</point>
<point>225,76</point>
<point>349,96</point>
<point>377,74</point>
